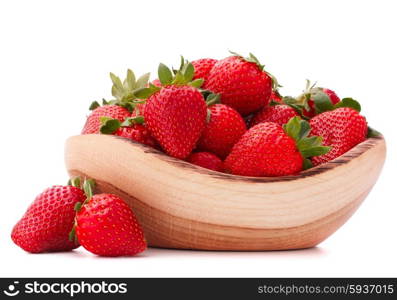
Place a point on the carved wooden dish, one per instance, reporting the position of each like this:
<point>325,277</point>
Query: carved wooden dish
<point>184,206</point>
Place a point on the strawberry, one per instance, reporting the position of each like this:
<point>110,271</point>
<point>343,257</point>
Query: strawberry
<point>138,133</point>
<point>313,97</point>
<point>279,114</point>
<point>268,149</point>
<point>202,68</point>
<point>131,128</point>
<point>175,113</point>
<point>241,82</point>
<point>223,129</point>
<point>93,123</point>
<point>46,224</point>
<point>106,226</point>
<point>342,129</point>
<point>120,108</point>
<point>206,160</point>
<point>276,97</point>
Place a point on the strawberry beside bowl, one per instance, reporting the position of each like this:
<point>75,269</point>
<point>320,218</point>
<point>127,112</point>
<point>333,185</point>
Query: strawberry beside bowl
<point>183,206</point>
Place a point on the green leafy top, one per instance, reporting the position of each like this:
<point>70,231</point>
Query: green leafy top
<point>123,91</point>
<point>321,100</point>
<point>183,76</point>
<point>308,146</point>
<point>253,59</point>
<point>88,186</point>
<point>109,125</point>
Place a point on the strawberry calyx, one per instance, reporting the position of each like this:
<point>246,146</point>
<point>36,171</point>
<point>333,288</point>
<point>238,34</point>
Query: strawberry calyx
<point>253,59</point>
<point>123,91</point>
<point>88,187</point>
<point>183,76</point>
<point>322,101</point>
<point>110,125</point>
<point>210,100</point>
<point>308,146</point>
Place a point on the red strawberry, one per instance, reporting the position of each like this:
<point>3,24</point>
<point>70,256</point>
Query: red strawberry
<point>131,128</point>
<point>175,113</point>
<point>206,160</point>
<point>176,118</point>
<point>279,114</point>
<point>267,149</point>
<point>202,68</point>
<point>93,123</point>
<point>120,107</point>
<point>241,82</point>
<point>342,129</point>
<point>46,224</point>
<point>313,97</point>
<point>222,131</point>
<point>106,226</point>
<point>138,133</point>
<point>276,97</point>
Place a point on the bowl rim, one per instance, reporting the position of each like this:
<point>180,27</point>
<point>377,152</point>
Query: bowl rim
<point>354,152</point>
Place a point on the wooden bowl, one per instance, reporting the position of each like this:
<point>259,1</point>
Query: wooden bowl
<point>184,206</point>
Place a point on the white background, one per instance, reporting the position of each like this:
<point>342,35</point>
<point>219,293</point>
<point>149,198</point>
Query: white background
<point>55,57</point>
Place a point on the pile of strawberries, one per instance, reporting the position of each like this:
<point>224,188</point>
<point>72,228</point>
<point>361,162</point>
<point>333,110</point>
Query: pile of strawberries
<point>224,115</point>
<point>228,116</point>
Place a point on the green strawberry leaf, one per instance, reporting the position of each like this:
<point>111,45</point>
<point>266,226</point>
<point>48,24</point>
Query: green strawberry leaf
<point>142,81</point>
<point>307,164</point>
<point>109,125</point>
<point>78,206</point>
<point>88,188</point>
<point>322,102</point>
<point>117,88</point>
<point>293,128</point>
<point>299,130</point>
<point>349,102</point>
<point>212,99</point>
<point>188,72</point>
<point>75,181</point>
<point>94,105</point>
<point>129,81</point>
<point>197,83</point>
<point>372,132</point>
<point>315,151</point>
<point>131,121</point>
<point>304,130</point>
<point>164,74</point>
<point>144,93</point>
<point>208,118</point>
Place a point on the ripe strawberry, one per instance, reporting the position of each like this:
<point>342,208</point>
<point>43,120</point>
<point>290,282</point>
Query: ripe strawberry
<point>313,98</point>
<point>342,129</point>
<point>202,68</point>
<point>241,82</point>
<point>175,113</point>
<point>46,224</point>
<point>93,123</point>
<point>276,97</point>
<point>267,149</point>
<point>131,128</point>
<point>120,108</point>
<point>279,114</point>
<point>106,226</point>
<point>223,129</point>
<point>138,133</point>
<point>206,160</point>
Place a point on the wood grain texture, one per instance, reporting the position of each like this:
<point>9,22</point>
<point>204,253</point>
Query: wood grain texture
<point>184,206</point>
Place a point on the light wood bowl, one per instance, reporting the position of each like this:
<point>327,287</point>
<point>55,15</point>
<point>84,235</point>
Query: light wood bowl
<point>184,206</point>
